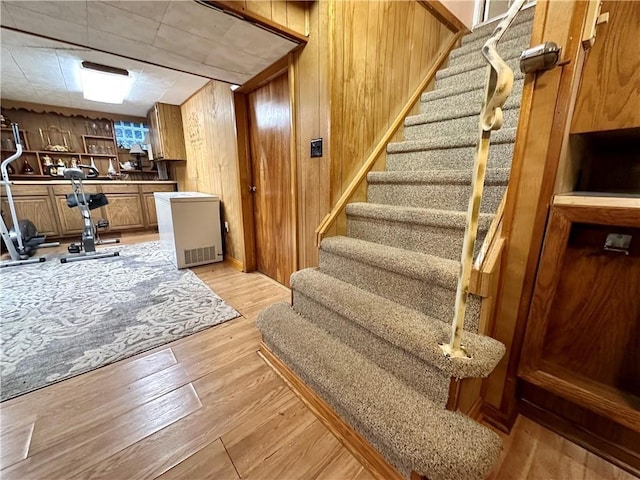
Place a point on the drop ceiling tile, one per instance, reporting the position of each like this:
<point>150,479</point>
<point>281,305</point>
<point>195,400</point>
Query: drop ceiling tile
<point>5,16</point>
<point>181,43</point>
<point>198,19</point>
<point>184,64</point>
<point>118,45</point>
<point>120,23</point>
<point>154,10</point>
<point>236,61</point>
<point>256,41</point>
<point>68,11</point>
<point>32,21</point>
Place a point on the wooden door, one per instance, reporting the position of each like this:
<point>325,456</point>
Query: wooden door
<point>270,144</point>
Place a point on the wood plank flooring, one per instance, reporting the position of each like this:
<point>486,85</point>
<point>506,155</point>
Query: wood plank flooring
<point>207,406</point>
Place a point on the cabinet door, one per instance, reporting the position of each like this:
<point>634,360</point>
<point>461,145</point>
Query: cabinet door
<point>150,209</point>
<point>37,209</point>
<point>154,130</point>
<point>124,211</point>
<point>170,130</point>
<point>70,218</point>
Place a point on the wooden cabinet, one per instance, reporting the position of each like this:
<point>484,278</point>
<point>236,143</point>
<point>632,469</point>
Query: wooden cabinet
<point>583,331</point>
<point>150,209</point>
<point>609,95</point>
<point>166,132</point>
<point>38,209</point>
<point>124,212</point>
<point>131,206</point>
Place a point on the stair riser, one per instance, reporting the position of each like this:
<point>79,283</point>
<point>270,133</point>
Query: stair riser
<point>467,103</point>
<point>477,76</point>
<point>431,299</point>
<point>500,156</point>
<point>442,196</point>
<point>454,126</point>
<point>433,240</point>
<point>413,371</point>
<point>521,26</point>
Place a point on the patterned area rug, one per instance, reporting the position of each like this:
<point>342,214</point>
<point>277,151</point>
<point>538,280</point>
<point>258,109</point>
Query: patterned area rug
<point>61,320</point>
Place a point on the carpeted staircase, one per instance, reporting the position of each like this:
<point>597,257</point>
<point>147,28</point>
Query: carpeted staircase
<point>364,328</point>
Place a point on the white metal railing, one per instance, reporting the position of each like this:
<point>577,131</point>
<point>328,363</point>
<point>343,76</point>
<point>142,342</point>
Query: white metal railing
<point>498,89</point>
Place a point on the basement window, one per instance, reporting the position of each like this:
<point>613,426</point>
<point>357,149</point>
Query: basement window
<point>128,133</point>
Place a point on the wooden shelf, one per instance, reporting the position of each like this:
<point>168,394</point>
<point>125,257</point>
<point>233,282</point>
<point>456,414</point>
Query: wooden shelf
<point>98,137</point>
<point>598,199</point>
<point>35,176</point>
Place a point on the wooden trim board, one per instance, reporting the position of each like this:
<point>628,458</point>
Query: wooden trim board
<point>352,440</point>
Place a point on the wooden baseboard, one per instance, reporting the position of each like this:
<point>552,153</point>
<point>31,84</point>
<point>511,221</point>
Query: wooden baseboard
<point>352,440</point>
<point>235,263</point>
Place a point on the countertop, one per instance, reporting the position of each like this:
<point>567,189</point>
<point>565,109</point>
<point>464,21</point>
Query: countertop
<point>93,182</point>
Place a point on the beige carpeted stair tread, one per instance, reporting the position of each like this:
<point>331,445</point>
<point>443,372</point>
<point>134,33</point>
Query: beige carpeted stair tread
<point>401,326</point>
<point>461,105</point>
<point>436,189</point>
<point>416,216</point>
<point>518,28</point>
<point>421,282</point>
<point>423,267</point>
<point>411,432</point>
<point>412,370</point>
<point>504,135</point>
<point>494,176</point>
<point>452,126</point>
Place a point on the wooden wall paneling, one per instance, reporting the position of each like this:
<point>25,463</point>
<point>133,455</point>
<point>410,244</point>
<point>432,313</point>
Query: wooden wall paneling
<point>543,129</point>
<point>337,34</point>
<point>293,161</point>
<point>378,53</point>
<point>609,96</point>
<point>269,15</point>
<point>212,157</point>
<point>279,11</point>
<point>297,16</point>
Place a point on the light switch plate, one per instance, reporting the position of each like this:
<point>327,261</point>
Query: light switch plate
<point>316,147</point>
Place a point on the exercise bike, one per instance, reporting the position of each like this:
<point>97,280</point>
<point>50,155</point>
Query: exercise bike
<point>23,240</point>
<point>86,249</point>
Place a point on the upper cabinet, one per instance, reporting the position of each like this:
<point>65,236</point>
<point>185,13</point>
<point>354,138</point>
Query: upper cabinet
<point>609,93</point>
<point>165,126</point>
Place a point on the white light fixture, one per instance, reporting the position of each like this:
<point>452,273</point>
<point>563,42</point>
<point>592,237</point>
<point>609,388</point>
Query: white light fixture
<point>101,83</point>
<point>234,87</point>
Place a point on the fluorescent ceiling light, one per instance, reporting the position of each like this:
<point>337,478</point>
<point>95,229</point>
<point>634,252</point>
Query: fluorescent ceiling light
<point>101,83</point>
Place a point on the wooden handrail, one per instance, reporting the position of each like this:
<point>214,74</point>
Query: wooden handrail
<point>361,175</point>
<point>499,86</point>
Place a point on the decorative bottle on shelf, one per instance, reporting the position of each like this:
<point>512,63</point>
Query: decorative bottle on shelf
<point>60,167</point>
<point>27,169</point>
<point>111,171</point>
<point>93,165</point>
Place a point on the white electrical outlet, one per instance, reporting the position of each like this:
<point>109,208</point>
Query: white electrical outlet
<point>226,227</point>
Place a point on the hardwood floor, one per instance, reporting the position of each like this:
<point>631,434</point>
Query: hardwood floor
<point>207,406</point>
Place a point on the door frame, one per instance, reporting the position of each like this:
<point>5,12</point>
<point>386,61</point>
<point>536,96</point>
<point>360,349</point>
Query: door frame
<point>284,65</point>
